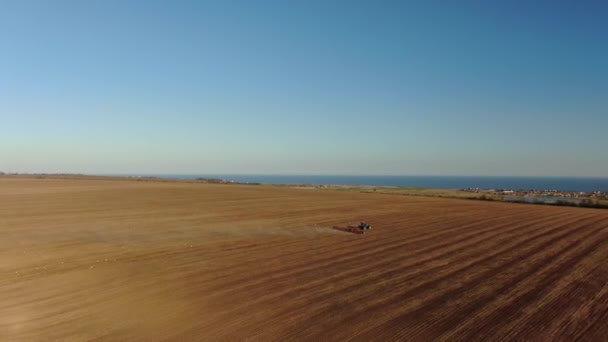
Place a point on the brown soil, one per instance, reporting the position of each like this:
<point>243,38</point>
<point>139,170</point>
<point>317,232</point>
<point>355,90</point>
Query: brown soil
<point>99,259</point>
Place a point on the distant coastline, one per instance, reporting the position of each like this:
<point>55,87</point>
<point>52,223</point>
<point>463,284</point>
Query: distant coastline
<point>561,184</point>
<point>438,182</point>
<point>531,195</point>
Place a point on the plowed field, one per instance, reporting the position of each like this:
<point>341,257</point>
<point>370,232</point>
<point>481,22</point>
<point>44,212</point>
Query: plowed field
<point>126,260</point>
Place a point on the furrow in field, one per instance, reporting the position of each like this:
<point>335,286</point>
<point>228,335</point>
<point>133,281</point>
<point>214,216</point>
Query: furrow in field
<point>370,279</point>
<point>417,223</point>
<point>386,267</point>
<point>593,325</point>
<point>325,314</point>
<point>388,310</point>
<point>311,266</point>
<point>564,310</point>
<point>279,249</point>
<point>516,291</point>
<point>476,283</point>
<point>376,246</point>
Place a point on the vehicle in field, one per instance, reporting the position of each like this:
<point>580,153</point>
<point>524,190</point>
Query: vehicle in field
<point>359,229</point>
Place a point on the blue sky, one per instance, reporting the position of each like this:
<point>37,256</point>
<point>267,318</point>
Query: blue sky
<point>305,87</point>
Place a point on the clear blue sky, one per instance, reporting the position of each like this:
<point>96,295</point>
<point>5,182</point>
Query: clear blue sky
<point>305,87</point>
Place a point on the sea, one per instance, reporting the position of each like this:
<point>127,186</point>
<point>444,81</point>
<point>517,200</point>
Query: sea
<point>453,182</point>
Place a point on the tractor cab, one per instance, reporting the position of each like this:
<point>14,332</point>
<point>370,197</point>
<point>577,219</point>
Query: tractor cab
<point>364,226</point>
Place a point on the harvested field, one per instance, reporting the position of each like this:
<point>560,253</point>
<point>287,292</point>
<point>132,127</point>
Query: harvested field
<point>86,259</point>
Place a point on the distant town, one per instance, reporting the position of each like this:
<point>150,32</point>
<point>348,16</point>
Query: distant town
<point>601,195</point>
<point>593,199</point>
